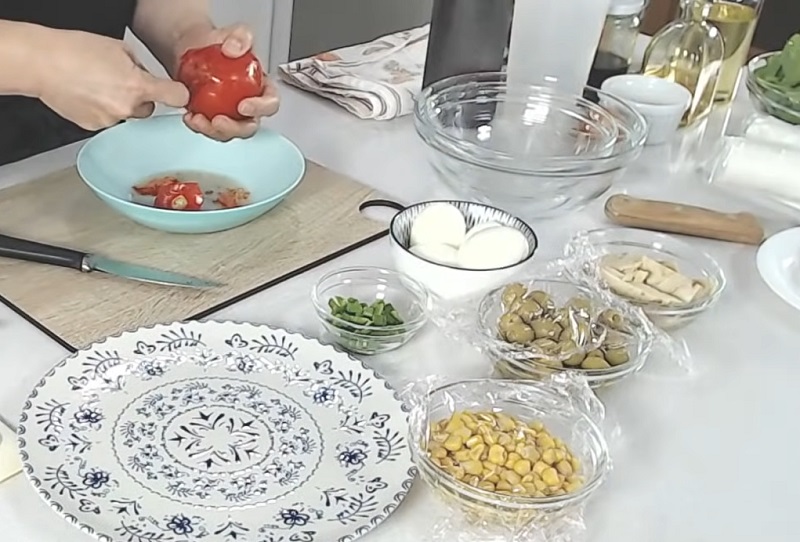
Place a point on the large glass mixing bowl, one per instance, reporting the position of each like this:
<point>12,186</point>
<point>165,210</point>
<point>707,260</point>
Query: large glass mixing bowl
<point>529,150</point>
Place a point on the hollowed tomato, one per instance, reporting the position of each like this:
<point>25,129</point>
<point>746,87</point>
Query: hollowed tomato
<point>179,196</point>
<point>217,83</point>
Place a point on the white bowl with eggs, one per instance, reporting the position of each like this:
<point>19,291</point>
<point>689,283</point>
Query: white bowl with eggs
<point>458,249</point>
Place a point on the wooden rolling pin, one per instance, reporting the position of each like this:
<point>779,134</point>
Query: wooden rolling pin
<point>684,219</point>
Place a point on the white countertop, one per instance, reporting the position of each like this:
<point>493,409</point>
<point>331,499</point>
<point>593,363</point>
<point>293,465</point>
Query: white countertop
<point>698,458</point>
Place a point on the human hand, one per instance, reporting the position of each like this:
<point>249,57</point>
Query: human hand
<point>96,82</point>
<point>236,41</point>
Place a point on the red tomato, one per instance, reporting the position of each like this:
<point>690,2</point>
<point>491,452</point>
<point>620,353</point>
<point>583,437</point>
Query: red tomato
<point>151,187</point>
<point>232,197</point>
<point>218,83</point>
<point>179,197</point>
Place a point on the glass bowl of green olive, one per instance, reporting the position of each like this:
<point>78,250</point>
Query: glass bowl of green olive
<point>370,310</point>
<point>506,451</point>
<point>536,328</point>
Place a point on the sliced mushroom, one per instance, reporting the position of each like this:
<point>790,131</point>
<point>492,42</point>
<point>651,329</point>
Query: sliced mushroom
<point>645,280</point>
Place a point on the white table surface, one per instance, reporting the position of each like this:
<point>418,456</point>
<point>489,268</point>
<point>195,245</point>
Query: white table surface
<point>703,457</point>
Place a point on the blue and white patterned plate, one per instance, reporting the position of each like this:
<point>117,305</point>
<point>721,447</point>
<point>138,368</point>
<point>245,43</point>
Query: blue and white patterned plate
<point>216,432</point>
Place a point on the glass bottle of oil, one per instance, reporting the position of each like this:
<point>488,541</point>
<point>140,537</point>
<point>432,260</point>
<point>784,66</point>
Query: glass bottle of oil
<point>689,51</point>
<point>736,20</point>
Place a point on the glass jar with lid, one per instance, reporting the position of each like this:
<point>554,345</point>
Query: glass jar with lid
<point>618,40</point>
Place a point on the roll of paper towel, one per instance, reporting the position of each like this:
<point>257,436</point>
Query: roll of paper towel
<point>774,132</point>
<point>759,166</point>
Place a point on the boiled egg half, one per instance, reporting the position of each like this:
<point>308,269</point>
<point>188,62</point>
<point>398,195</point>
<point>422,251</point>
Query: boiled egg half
<point>439,234</point>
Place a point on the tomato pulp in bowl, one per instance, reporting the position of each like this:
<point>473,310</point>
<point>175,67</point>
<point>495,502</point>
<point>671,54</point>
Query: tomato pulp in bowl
<point>267,165</point>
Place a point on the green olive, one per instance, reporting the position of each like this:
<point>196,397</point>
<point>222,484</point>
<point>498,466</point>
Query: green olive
<point>553,363</point>
<point>545,343</point>
<point>566,347</point>
<point>563,316</point>
<point>574,360</point>
<point>512,293</point>
<point>595,363</point>
<point>557,336</point>
<point>582,332</point>
<point>520,334</point>
<point>507,320</point>
<point>617,356</point>
<point>548,347</point>
<point>542,298</point>
<point>614,339</point>
<point>612,319</point>
<point>529,310</point>
<point>546,329</point>
<point>580,304</point>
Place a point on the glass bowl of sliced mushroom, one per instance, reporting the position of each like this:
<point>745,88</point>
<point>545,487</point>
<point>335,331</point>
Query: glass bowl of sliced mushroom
<point>532,329</point>
<point>672,281</point>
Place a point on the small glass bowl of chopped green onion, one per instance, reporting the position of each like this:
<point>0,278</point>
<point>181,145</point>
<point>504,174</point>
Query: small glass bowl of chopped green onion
<point>370,310</point>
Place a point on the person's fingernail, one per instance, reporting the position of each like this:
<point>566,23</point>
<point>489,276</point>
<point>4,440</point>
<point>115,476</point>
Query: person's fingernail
<point>235,45</point>
<point>247,110</point>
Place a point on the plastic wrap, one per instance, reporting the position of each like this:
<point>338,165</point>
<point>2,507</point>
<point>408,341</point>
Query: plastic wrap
<point>580,333</point>
<point>582,257</point>
<point>567,408</point>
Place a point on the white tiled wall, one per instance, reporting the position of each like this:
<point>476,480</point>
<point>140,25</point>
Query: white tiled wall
<point>256,13</point>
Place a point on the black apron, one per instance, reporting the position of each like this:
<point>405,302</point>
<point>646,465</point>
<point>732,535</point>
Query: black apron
<point>28,126</point>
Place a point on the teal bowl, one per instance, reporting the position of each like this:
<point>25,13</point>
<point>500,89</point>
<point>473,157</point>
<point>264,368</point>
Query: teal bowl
<point>112,162</point>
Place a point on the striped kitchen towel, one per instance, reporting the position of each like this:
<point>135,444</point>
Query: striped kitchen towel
<point>376,80</point>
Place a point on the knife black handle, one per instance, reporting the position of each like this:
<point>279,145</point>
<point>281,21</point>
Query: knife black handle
<point>31,251</point>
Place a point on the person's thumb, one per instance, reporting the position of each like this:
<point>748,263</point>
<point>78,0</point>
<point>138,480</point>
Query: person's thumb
<point>238,41</point>
<point>165,91</point>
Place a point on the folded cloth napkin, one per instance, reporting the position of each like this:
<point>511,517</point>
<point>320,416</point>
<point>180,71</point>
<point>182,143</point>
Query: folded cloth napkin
<point>376,80</point>
<point>9,457</point>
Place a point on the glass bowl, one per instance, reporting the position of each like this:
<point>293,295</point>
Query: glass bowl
<point>530,362</point>
<point>770,101</point>
<point>594,245</point>
<point>369,284</point>
<point>529,150</point>
<point>528,402</point>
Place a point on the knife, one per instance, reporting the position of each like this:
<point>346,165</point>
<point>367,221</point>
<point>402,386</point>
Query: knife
<point>31,251</point>
<point>684,219</point>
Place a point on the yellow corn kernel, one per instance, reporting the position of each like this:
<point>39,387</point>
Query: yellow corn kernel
<point>549,456</point>
<point>550,477</point>
<point>539,467</point>
<point>564,467</point>
<point>522,467</point>
<point>497,454</point>
<point>453,443</point>
<point>474,468</point>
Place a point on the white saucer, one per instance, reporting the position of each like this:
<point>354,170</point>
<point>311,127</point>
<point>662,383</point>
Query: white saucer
<point>778,262</point>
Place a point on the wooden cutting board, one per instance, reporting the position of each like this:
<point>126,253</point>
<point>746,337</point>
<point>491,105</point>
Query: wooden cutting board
<point>317,222</point>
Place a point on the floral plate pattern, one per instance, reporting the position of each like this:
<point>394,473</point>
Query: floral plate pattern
<point>216,432</point>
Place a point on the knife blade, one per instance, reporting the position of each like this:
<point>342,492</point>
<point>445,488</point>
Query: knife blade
<point>32,251</point>
<point>683,219</point>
